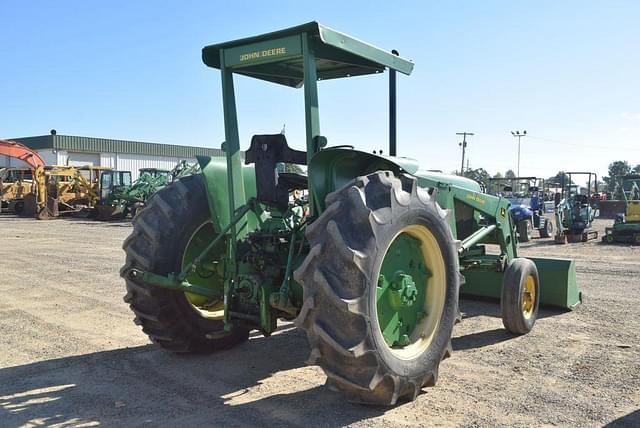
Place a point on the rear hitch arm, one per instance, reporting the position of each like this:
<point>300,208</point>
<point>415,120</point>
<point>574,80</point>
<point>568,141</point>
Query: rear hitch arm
<point>171,282</point>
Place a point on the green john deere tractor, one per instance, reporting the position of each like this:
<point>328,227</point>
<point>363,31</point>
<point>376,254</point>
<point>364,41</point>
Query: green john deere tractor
<point>120,198</point>
<point>626,227</point>
<point>367,253</point>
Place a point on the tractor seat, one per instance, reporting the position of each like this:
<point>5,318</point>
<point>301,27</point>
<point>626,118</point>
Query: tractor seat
<point>266,151</point>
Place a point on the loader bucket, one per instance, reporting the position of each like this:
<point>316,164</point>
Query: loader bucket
<point>558,284</point>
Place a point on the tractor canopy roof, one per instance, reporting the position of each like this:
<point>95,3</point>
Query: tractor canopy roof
<point>278,56</point>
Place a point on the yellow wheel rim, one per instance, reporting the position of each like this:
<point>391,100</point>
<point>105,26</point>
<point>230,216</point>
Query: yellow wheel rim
<point>434,301</point>
<point>529,296</point>
<point>207,308</point>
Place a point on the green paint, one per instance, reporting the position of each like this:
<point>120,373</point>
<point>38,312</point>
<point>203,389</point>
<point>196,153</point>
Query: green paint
<point>262,243</point>
<point>402,286</point>
<point>340,55</point>
<point>214,171</point>
<point>268,51</point>
<point>172,282</point>
<point>209,274</point>
<point>332,169</point>
<point>558,284</point>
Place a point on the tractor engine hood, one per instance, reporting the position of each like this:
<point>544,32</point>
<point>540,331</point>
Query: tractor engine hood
<point>332,168</point>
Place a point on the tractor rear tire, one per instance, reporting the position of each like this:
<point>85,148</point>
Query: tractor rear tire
<point>161,233</point>
<point>524,230</point>
<point>340,278</point>
<point>520,296</point>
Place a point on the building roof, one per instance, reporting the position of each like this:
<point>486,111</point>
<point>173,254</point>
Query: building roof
<point>105,145</point>
<point>278,56</point>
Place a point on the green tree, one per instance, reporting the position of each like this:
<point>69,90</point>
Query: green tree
<point>292,167</point>
<point>509,174</point>
<point>636,169</point>
<point>558,179</point>
<point>616,169</point>
<point>479,174</point>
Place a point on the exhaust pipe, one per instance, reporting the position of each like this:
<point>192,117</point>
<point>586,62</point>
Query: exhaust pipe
<point>392,110</point>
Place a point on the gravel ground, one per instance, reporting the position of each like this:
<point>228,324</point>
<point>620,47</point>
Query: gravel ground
<point>70,354</point>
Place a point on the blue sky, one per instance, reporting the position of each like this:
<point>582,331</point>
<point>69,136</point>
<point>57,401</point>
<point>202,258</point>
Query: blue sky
<point>568,72</point>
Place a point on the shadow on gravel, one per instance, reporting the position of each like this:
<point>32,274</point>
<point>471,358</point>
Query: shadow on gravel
<point>116,223</point>
<point>539,242</point>
<point>630,420</point>
<point>89,220</point>
<point>145,385</point>
<point>490,307</point>
<point>481,339</point>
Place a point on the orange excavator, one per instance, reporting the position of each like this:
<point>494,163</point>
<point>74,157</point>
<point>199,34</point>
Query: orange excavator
<point>14,187</point>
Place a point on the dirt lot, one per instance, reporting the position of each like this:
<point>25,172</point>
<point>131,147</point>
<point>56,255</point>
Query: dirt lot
<point>70,354</point>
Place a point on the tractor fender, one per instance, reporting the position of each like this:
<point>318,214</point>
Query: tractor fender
<point>214,171</point>
<point>332,168</point>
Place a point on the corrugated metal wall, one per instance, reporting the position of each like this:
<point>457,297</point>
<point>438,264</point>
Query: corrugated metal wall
<point>47,156</point>
<point>105,145</point>
<point>7,161</point>
<point>117,154</point>
<point>123,162</point>
<point>127,162</point>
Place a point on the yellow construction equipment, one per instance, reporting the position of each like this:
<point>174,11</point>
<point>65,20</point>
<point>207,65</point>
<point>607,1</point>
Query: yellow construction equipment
<point>62,190</point>
<point>15,183</point>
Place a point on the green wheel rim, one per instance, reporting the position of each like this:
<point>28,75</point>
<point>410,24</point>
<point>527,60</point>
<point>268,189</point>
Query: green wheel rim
<point>410,294</point>
<point>211,277</point>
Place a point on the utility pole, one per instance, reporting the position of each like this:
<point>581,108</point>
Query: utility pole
<point>518,135</point>
<point>464,148</point>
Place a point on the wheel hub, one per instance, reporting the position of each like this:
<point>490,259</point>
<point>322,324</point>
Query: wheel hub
<point>528,296</point>
<point>406,293</point>
<point>209,274</point>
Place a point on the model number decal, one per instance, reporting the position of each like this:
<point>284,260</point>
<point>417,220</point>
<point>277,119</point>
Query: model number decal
<point>475,198</point>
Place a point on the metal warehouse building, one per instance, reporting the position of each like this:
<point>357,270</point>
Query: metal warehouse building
<point>117,154</point>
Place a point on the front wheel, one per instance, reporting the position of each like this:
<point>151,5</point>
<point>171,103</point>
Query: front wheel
<point>524,230</point>
<point>520,296</point>
<point>380,289</point>
<point>173,229</point>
